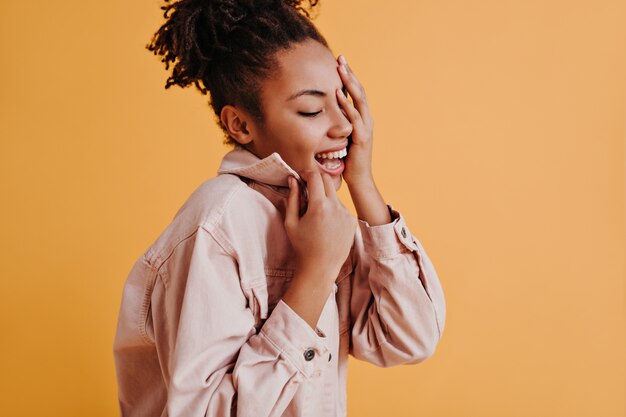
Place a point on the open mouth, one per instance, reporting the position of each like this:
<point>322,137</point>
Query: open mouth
<point>331,161</point>
<point>332,155</point>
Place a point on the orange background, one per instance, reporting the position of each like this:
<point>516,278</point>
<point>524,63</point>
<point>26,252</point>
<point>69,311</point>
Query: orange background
<point>500,130</point>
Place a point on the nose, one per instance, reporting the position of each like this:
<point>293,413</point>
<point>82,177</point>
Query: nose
<point>341,127</point>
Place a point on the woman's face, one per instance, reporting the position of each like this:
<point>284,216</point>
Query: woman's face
<point>303,118</point>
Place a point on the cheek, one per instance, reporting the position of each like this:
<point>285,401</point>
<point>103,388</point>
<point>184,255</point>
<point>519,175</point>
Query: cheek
<point>297,139</point>
<point>305,139</point>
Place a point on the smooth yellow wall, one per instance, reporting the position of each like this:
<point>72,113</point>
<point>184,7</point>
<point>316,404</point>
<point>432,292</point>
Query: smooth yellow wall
<point>500,130</point>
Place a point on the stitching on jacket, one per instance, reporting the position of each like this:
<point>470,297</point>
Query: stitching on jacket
<point>256,167</point>
<point>211,227</point>
<point>207,224</point>
<point>382,255</point>
<point>163,274</point>
<point>281,352</point>
<point>279,272</point>
<point>222,241</point>
<point>259,305</point>
<point>145,303</point>
<point>213,221</point>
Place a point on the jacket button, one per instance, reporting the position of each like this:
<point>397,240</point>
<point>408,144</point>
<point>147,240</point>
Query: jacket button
<point>309,354</point>
<point>403,232</point>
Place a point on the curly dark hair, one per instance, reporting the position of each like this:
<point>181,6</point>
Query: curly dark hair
<point>227,47</point>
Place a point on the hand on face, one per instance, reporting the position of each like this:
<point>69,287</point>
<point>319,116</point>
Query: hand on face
<point>322,237</point>
<point>358,163</point>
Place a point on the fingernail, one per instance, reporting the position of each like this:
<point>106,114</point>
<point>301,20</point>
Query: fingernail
<point>342,59</point>
<point>341,93</point>
<point>343,68</point>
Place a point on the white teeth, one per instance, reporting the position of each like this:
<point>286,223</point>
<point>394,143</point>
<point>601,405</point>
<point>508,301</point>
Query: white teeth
<point>333,155</point>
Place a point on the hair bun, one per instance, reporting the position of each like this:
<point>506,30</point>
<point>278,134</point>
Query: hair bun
<point>226,47</point>
<point>306,7</point>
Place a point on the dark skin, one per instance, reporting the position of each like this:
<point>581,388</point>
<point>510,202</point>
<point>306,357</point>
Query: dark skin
<point>298,129</point>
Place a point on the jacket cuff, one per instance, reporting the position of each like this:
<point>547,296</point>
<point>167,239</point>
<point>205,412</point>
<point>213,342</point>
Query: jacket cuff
<point>303,346</point>
<point>387,240</point>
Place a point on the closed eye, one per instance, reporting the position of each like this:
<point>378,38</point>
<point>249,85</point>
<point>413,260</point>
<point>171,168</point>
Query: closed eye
<point>309,114</point>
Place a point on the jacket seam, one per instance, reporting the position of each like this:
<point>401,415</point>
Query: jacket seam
<point>211,225</point>
<point>281,351</point>
<point>145,304</point>
<point>211,222</point>
<point>208,225</point>
<point>162,274</point>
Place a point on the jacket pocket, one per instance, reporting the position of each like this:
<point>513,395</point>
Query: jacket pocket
<point>278,281</point>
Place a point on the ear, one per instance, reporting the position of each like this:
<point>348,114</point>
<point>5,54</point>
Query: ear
<point>236,122</point>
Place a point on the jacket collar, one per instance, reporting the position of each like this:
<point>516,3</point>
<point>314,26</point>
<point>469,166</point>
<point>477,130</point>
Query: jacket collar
<point>272,170</point>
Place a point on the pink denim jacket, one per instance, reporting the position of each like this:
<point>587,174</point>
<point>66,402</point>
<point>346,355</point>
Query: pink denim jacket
<point>202,328</point>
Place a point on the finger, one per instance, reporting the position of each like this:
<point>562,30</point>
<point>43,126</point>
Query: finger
<point>346,71</point>
<point>354,87</point>
<point>329,187</point>
<point>357,93</point>
<point>351,112</point>
<point>358,124</point>
<point>315,186</point>
<point>293,203</point>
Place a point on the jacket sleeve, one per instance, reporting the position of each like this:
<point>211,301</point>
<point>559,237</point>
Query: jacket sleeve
<point>216,362</point>
<point>397,306</point>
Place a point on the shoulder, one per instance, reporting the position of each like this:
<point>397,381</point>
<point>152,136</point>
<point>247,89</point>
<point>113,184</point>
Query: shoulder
<point>215,205</point>
<point>208,203</point>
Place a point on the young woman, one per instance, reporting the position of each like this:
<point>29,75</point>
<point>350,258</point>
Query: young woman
<point>251,300</point>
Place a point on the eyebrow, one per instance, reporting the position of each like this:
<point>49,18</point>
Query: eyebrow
<point>316,93</point>
<point>310,92</point>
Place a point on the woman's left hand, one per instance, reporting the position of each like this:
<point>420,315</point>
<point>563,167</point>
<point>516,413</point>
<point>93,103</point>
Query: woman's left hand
<point>358,162</point>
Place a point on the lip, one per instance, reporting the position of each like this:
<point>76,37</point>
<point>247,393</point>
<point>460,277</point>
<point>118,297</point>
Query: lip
<point>335,149</point>
<point>332,172</point>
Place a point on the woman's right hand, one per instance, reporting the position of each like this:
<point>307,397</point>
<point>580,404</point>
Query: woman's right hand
<point>322,237</point>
